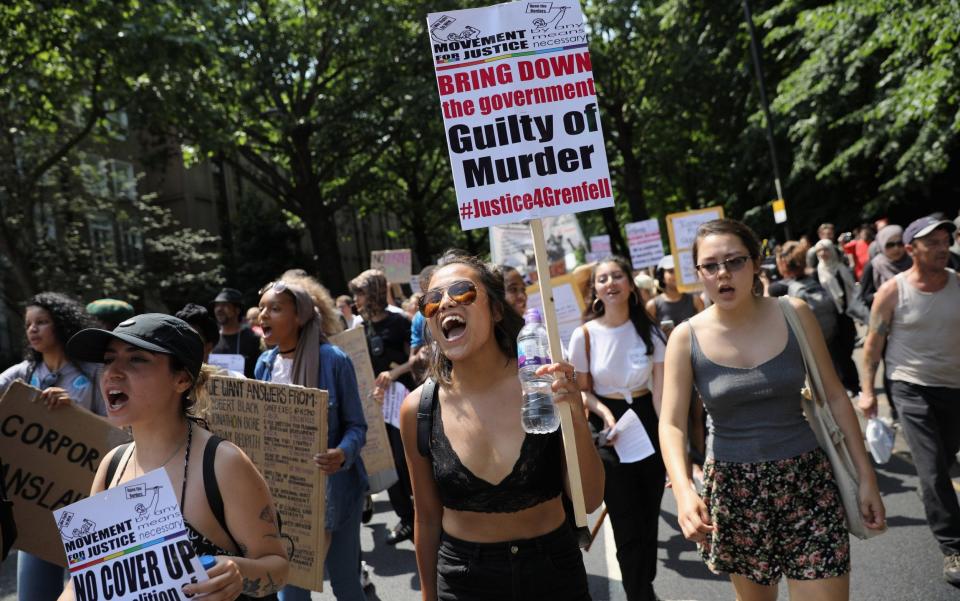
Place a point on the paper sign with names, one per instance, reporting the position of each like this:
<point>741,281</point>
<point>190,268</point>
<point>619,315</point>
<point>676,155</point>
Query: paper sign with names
<point>129,543</point>
<point>643,238</point>
<point>520,111</point>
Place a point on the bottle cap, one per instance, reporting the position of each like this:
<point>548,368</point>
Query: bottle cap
<point>533,316</point>
<point>208,561</point>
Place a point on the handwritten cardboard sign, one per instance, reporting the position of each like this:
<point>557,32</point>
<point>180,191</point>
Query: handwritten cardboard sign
<point>281,427</point>
<point>129,543</point>
<point>48,460</point>
<point>395,264</point>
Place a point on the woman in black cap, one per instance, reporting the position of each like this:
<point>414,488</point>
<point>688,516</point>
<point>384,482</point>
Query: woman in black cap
<point>152,381</point>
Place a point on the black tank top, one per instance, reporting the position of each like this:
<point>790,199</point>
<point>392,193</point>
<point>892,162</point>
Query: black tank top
<point>678,312</point>
<point>537,476</point>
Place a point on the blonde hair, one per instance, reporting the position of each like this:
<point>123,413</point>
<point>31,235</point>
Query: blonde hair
<point>197,402</point>
<point>330,323</point>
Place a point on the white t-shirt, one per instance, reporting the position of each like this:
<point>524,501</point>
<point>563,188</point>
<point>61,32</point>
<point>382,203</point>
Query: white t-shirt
<point>282,371</point>
<point>619,362</point>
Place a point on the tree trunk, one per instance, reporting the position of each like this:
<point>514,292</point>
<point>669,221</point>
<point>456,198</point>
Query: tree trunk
<point>328,266</point>
<point>617,244</point>
<point>633,184</point>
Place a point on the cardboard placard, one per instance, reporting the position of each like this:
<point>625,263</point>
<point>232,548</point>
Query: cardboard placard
<point>568,303</point>
<point>129,543</point>
<point>510,244</point>
<point>646,246</point>
<point>519,112</point>
<point>48,460</point>
<point>376,454</point>
<point>682,228</point>
<point>281,427</point>
<point>395,264</point>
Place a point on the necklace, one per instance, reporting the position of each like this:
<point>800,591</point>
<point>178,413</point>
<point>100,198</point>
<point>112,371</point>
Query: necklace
<point>283,352</point>
<point>172,455</point>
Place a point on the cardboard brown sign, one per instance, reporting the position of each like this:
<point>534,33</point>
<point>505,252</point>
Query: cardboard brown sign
<point>48,459</point>
<point>281,428</point>
<point>376,454</point>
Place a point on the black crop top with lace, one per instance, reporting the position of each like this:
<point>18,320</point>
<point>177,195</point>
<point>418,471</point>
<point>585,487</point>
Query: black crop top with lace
<point>537,476</point>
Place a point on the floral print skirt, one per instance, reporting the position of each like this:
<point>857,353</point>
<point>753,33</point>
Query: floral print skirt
<point>775,518</point>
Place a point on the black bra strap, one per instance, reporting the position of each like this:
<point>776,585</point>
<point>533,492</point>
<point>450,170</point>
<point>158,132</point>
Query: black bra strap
<point>212,488</point>
<point>115,463</point>
<point>428,395</point>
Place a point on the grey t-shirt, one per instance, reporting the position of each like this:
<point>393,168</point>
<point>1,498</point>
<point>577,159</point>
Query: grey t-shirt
<point>80,380</point>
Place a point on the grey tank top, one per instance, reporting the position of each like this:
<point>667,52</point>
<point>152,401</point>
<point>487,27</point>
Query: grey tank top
<point>678,312</point>
<point>755,413</point>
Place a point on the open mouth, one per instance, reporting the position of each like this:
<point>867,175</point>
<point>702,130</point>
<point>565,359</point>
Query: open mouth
<point>453,327</point>
<point>116,399</point>
<point>726,289</point>
<point>266,330</point>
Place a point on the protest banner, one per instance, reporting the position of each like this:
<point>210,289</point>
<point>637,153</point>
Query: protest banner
<point>510,244</point>
<point>568,303</point>
<point>376,454</point>
<point>599,248</point>
<point>646,246</point>
<point>395,264</point>
<point>48,460</point>
<point>682,229</point>
<point>129,543</point>
<point>520,112</point>
<point>281,427</point>
<point>523,130</point>
<point>229,362</point>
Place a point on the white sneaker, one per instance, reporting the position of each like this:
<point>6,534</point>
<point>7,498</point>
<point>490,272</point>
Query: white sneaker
<point>365,581</point>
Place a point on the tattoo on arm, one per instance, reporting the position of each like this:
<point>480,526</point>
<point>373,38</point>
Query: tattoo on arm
<point>254,588</point>
<point>267,515</point>
<point>879,325</point>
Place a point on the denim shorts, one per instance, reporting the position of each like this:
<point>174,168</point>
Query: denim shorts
<point>548,567</point>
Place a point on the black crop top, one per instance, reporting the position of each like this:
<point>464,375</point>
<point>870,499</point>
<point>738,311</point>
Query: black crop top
<point>537,476</point>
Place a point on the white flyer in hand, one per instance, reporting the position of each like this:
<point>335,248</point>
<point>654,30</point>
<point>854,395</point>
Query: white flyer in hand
<point>129,543</point>
<point>392,399</point>
<point>632,443</point>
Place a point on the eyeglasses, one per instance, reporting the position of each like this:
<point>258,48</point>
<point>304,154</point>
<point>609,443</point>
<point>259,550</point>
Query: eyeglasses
<point>463,292</point>
<point>732,265</point>
<point>893,244</point>
<point>278,286</point>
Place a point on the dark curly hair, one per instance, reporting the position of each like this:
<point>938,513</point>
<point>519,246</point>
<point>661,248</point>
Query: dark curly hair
<point>200,320</point>
<point>505,331</point>
<point>638,314</point>
<point>69,317</point>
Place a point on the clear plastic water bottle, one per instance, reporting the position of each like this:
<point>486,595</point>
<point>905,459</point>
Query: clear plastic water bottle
<point>539,415</point>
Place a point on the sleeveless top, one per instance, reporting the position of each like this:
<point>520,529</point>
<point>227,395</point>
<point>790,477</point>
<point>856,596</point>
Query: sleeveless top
<point>678,312</point>
<point>537,476</point>
<point>922,346</point>
<point>755,413</point>
<point>200,543</point>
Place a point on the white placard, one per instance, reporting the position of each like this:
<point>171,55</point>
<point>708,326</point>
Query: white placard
<point>645,243</point>
<point>129,543</point>
<point>682,228</point>
<point>392,399</point>
<point>520,112</point>
<point>569,314</point>
<point>600,244</point>
<point>229,362</point>
<point>632,443</point>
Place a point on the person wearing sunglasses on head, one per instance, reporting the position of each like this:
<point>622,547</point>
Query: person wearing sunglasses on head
<point>301,355</point>
<point>618,354</point>
<point>891,259</point>
<point>50,319</point>
<point>490,521</point>
<point>769,506</point>
<point>154,383</point>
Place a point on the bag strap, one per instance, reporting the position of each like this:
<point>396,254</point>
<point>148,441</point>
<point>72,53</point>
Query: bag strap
<point>815,382</point>
<point>425,416</point>
<point>586,346</point>
<point>115,463</point>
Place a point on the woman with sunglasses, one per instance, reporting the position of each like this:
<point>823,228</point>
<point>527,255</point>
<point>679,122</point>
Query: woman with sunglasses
<point>50,320</point>
<point>490,520</point>
<point>154,383</point>
<point>891,260</point>
<point>618,354</point>
<point>769,506</point>
<point>301,355</point>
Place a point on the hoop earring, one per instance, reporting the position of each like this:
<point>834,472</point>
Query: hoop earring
<point>594,305</point>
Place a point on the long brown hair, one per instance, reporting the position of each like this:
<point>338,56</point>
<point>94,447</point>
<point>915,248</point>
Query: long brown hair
<point>505,330</point>
<point>638,314</point>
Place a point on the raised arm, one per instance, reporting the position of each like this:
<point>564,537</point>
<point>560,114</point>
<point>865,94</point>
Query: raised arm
<point>426,499</point>
<point>881,314</point>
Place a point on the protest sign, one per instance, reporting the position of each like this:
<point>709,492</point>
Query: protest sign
<point>510,244</point>
<point>376,454</point>
<point>281,427</point>
<point>228,362</point>
<point>599,248</point>
<point>48,460</point>
<point>395,264</point>
<point>682,229</point>
<point>392,399</point>
<point>568,303</point>
<point>519,112</point>
<point>129,543</point>
<point>643,239</point>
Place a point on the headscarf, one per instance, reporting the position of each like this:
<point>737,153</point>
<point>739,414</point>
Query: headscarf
<point>306,359</point>
<point>373,284</point>
<point>883,268</point>
<point>834,276</point>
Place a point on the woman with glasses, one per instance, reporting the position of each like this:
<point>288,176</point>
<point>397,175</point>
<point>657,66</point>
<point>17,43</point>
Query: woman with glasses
<point>891,260</point>
<point>302,355</point>
<point>490,520</point>
<point>618,354</point>
<point>49,321</point>
<point>769,506</point>
<point>154,382</point>
<point>388,342</point>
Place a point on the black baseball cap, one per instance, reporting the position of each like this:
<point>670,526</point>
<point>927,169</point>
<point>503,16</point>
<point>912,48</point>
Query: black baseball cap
<point>925,226</point>
<point>155,332</point>
<point>229,295</point>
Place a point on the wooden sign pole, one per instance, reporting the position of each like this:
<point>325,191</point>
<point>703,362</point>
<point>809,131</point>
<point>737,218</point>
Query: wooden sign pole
<point>556,352</point>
